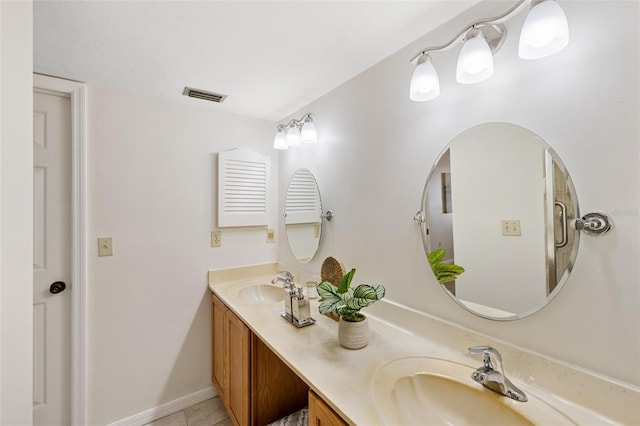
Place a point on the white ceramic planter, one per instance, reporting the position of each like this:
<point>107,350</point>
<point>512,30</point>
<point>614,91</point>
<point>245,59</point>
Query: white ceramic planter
<point>353,335</point>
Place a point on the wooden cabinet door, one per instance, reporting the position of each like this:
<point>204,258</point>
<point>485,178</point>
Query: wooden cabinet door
<point>219,373</point>
<point>320,414</point>
<point>239,346</point>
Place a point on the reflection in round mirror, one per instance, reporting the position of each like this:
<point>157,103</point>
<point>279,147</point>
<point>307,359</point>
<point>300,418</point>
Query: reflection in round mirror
<point>499,204</point>
<point>303,215</point>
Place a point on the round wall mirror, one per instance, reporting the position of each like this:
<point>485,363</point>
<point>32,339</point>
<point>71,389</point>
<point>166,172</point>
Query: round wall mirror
<point>498,207</point>
<point>303,215</point>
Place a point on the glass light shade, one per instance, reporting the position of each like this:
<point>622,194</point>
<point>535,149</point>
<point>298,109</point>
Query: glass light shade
<point>309,133</point>
<point>545,31</point>
<point>475,63</point>
<point>425,84</point>
<point>280,141</point>
<point>293,136</point>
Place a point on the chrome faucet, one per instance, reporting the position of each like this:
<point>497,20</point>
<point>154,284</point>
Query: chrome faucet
<point>491,375</point>
<point>286,278</point>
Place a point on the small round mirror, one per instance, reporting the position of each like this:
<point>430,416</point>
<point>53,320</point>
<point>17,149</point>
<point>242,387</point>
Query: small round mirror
<point>498,207</point>
<point>303,215</point>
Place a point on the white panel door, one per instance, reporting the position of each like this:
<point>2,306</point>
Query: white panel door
<point>51,259</point>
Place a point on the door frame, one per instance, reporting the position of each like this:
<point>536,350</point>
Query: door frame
<point>77,92</point>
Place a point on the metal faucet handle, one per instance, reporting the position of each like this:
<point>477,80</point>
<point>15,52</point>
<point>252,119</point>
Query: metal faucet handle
<point>491,375</point>
<point>490,356</point>
<point>286,275</point>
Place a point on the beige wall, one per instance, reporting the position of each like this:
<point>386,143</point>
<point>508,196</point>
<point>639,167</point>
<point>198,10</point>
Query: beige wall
<point>152,187</point>
<point>16,223</point>
<point>376,149</point>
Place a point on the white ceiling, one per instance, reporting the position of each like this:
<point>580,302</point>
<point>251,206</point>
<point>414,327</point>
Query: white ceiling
<point>270,57</point>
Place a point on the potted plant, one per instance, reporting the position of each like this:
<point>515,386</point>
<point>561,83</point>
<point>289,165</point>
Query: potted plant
<point>353,329</point>
<point>444,272</point>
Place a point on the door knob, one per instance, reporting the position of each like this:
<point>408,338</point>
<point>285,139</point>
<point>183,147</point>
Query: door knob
<point>57,287</point>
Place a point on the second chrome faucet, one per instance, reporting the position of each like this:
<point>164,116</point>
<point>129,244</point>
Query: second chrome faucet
<point>491,374</point>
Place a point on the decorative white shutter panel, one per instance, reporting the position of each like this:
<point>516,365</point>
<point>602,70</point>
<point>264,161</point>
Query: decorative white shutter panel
<point>302,203</point>
<point>243,188</point>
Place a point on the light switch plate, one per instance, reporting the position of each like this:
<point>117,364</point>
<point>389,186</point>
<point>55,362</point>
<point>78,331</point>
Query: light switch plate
<point>216,238</point>
<point>271,235</point>
<point>511,228</point>
<point>105,246</point>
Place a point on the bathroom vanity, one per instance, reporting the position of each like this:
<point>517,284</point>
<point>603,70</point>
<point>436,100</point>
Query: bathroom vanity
<point>254,384</point>
<point>265,368</point>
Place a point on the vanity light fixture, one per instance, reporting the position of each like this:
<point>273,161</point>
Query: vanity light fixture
<point>296,132</point>
<point>545,32</point>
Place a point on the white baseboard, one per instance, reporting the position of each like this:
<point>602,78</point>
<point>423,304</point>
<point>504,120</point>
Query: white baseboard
<point>167,408</point>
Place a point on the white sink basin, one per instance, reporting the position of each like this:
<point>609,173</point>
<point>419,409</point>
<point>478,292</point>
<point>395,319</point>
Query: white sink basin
<point>423,390</point>
<point>262,293</point>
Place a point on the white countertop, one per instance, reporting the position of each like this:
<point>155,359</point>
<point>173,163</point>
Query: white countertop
<point>344,378</point>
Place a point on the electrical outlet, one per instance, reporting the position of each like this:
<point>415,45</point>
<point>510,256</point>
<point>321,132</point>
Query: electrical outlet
<point>105,246</point>
<point>271,235</point>
<point>511,228</point>
<point>216,238</point>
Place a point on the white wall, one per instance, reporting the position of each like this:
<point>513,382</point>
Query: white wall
<point>152,187</point>
<point>377,147</point>
<point>16,212</point>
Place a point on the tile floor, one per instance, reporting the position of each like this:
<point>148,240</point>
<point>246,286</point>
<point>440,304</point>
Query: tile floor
<point>207,413</point>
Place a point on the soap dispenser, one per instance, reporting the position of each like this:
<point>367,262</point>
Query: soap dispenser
<point>297,308</point>
<point>301,310</point>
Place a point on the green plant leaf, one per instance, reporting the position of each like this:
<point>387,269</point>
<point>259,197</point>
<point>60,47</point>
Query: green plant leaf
<point>436,256</point>
<point>357,303</point>
<point>369,291</point>
<point>380,290</point>
<point>330,305</point>
<point>363,296</point>
<point>330,300</point>
<point>326,289</point>
<point>345,282</point>
<point>444,272</point>
<point>449,268</point>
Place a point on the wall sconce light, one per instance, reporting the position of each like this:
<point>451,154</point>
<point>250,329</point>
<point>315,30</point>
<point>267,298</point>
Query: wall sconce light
<point>425,84</point>
<point>293,135</point>
<point>545,32</point>
<point>475,63</point>
<point>296,132</point>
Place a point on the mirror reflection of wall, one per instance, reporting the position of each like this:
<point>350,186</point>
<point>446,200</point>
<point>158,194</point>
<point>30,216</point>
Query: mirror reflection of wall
<point>303,215</point>
<point>513,241</point>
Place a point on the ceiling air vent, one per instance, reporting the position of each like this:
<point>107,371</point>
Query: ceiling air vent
<point>204,95</point>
